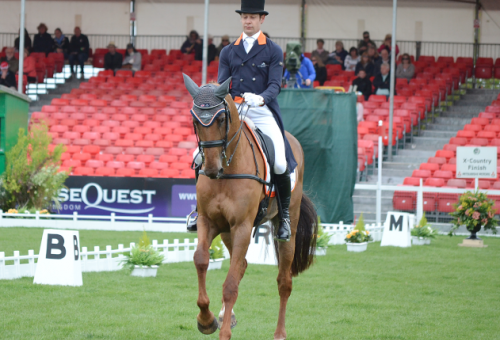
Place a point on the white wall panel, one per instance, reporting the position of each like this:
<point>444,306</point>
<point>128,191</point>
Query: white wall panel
<point>438,24</point>
<point>97,17</point>
<point>174,19</point>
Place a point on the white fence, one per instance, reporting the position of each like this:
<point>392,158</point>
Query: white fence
<point>339,232</point>
<point>97,260</point>
<point>91,222</point>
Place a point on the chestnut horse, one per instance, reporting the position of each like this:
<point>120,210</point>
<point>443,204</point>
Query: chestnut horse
<point>229,206</point>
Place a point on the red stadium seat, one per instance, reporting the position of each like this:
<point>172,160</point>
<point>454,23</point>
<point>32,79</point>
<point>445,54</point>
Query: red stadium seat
<point>148,173</point>
<point>125,172</point>
<point>421,174</point>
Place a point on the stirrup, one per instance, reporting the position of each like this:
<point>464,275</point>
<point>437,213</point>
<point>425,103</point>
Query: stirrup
<point>192,226</point>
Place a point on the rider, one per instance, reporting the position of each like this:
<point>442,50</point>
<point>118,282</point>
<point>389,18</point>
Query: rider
<point>255,64</point>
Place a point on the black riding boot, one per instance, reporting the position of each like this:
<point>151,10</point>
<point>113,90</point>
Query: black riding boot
<point>192,225</point>
<point>284,191</point>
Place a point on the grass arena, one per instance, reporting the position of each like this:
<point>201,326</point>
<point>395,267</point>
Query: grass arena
<point>436,292</point>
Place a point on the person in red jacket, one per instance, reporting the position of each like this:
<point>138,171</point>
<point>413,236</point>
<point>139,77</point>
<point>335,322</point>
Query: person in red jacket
<point>29,67</point>
<point>387,45</point>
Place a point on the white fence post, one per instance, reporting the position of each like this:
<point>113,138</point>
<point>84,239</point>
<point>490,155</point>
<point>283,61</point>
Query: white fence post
<point>420,201</point>
<point>31,262</point>
<point>2,265</point>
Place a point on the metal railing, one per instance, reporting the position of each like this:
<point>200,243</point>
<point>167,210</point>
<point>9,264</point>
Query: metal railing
<point>168,42</point>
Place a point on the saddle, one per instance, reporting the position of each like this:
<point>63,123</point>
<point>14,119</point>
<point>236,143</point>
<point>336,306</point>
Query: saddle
<point>266,147</point>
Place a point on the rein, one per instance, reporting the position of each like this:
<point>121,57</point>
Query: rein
<point>224,143</point>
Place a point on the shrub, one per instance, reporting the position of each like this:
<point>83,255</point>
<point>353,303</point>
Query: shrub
<point>423,229</point>
<point>473,209</point>
<point>216,250</point>
<point>31,179</point>
<point>359,234</point>
<point>322,238</point>
<point>142,255</point>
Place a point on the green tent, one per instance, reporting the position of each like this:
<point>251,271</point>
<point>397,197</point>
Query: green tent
<point>325,124</point>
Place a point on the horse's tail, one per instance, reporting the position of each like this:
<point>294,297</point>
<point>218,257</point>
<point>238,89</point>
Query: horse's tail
<point>305,238</point>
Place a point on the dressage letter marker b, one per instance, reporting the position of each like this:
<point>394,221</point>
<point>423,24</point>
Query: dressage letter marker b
<point>397,229</point>
<point>59,260</point>
<point>51,246</point>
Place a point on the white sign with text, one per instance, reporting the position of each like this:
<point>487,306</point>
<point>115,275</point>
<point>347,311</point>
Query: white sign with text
<point>261,249</point>
<point>59,259</point>
<point>477,162</point>
<point>397,229</point>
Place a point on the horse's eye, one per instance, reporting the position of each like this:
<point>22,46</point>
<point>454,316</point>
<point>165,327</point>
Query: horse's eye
<point>222,120</point>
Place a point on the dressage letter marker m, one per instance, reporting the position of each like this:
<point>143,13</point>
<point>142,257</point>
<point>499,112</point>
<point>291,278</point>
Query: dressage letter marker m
<point>59,260</point>
<point>397,229</point>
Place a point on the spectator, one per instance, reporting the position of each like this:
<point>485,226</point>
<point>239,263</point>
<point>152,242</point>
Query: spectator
<point>387,44</point>
<point>29,69</point>
<point>188,45</point>
<point>352,59</point>
<point>43,42</point>
<point>363,44</point>
<point>27,41</point>
<point>306,74</point>
<point>363,83</point>
<point>223,43</point>
<point>406,69</point>
<point>373,54</point>
<point>133,59</point>
<point>212,50</point>
<point>366,65</point>
<point>61,43</point>
<point>320,52</point>
<point>10,58</point>
<point>338,56</point>
<point>112,60</point>
<point>7,78</point>
<point>384,59</point>
<point>78,49</point>
<point>320,69</point>
<point>382,81</point>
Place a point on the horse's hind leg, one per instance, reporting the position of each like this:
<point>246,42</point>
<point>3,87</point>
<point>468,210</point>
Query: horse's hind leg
<point>207,324</point>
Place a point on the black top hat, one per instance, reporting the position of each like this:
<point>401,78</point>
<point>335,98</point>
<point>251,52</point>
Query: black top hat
<point>252,7</point>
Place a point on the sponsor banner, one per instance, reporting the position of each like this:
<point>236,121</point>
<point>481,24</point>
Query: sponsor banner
<point>128,196</point>
<point>477,162</point>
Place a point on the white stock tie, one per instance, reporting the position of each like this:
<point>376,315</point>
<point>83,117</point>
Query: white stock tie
<point>249,43</point>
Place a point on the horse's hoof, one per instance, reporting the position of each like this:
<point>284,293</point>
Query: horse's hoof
<point>208,329</point>
<point>233,321</point>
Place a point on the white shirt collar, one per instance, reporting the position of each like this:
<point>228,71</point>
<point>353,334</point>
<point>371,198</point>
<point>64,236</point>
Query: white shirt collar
<point>255,36</point>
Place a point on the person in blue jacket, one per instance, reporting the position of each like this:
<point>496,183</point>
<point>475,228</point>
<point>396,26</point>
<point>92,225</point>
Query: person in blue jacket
<point>306,74</point>
<point>255,64</point>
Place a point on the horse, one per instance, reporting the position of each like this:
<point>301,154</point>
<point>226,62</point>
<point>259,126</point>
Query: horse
<point>228,203</point>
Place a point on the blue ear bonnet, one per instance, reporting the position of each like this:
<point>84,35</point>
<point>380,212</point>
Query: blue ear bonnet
<point>207,106</point>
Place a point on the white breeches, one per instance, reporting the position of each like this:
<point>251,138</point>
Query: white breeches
<point>263,118</point>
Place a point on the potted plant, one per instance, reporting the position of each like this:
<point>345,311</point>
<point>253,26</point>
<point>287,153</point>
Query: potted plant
<point>357,240</point>
<point>143,259</point>
<point>216,254</point>
<point>422,233</point>
<point>474,210</point>
<point>322,240</point>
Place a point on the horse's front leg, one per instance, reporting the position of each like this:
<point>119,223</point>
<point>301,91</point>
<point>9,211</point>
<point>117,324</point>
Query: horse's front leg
<point>240,239</point>
<point>207,324</point>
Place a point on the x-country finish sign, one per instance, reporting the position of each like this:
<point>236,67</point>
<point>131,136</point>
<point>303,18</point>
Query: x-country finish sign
<point>476,162</point>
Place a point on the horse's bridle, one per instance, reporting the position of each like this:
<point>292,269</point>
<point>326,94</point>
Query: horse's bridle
<point>224,143</point>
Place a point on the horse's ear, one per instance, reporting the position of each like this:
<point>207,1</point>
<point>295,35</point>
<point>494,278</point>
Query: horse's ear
<point>222,91</point>
<point>191,86</point>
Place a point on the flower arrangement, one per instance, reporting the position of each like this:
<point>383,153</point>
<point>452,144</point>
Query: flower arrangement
<point>322,238</point>
<point>216,250</point>
<point>143,255</point>
<point>359,234</point>
<point>423,229</point>
<point>474,210</point>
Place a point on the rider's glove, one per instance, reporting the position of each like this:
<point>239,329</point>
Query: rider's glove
<point>253,100</point>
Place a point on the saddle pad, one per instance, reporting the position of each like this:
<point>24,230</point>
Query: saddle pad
<point>293,176</point>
